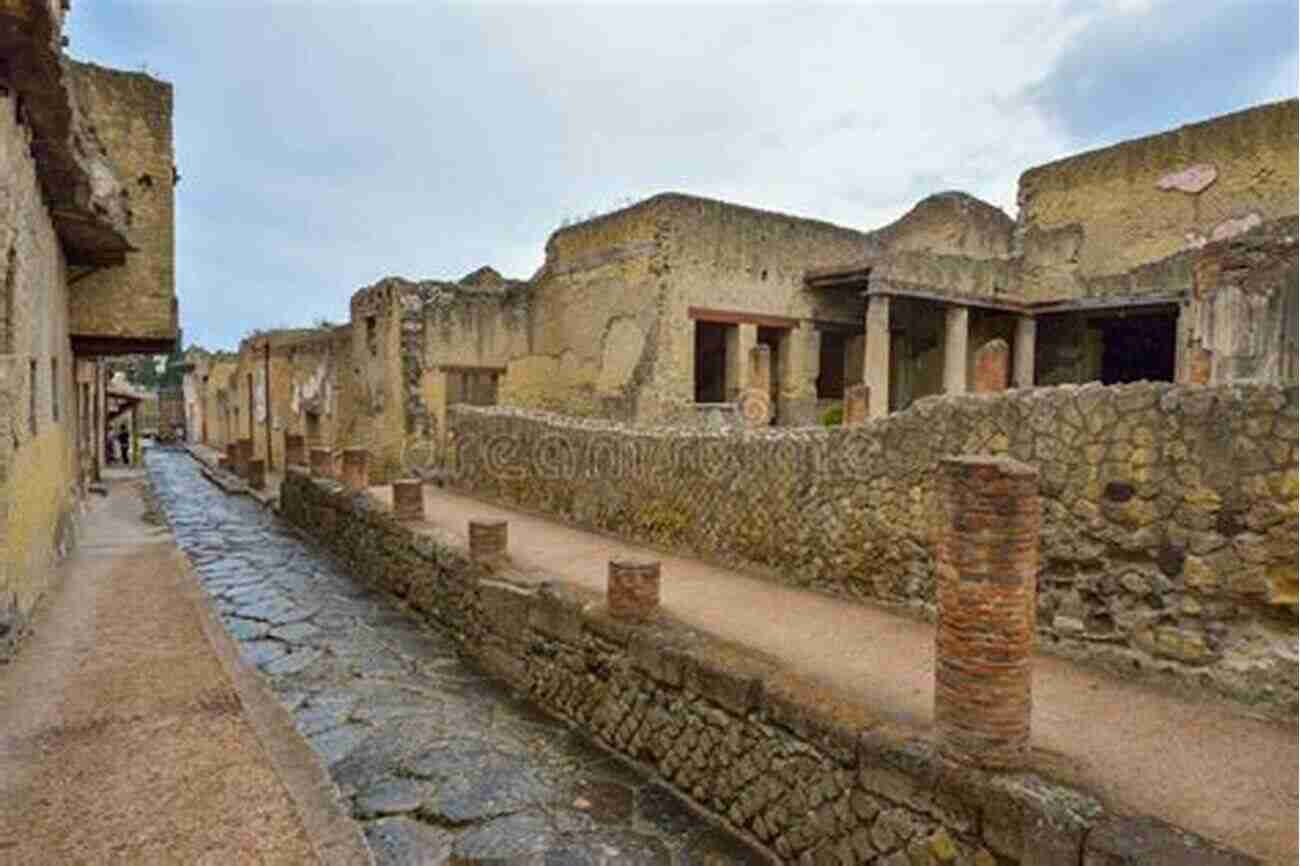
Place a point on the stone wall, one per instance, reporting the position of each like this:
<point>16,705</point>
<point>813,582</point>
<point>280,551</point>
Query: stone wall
<point>134,303</point>
<point>1169,512</point>
<point>1114,209</point>
<point>793,769</point>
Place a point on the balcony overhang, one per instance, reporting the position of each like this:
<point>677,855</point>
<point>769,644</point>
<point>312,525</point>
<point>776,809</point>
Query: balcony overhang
<point>94,345</point>
<point>84,196</point>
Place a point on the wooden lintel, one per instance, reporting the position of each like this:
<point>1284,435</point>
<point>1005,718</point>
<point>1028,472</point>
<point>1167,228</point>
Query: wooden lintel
<point>736,317</point>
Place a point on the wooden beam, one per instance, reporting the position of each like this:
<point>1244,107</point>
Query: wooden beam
<point>736,317</point>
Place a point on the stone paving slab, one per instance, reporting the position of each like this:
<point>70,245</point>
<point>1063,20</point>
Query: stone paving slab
<point>432,757</point>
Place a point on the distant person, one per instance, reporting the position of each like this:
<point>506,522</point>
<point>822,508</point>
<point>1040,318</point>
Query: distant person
<point>124,445</point>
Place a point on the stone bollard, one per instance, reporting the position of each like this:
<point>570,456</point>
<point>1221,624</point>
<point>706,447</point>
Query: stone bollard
<point>245,454</point>
<point>295,449</point>
<point>257,474</point>
<point>356,468</point>
<point>232,457</point>
<point>632,591</point>
<point>856,400</point>
<point>488,538</point>
<point>322,463</point>
<point>986,575</point>
<point>408,499</point>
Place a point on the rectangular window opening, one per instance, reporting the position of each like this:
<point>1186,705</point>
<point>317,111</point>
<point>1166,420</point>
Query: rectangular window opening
<point>710,362</point>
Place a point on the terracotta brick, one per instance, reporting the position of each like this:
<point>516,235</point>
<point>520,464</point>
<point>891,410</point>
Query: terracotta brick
<point>322,463</point>
<point>295,449</point>
<point>987,567</point>
<point>408,499</point>
<point>632,590</point>
<point>488,538</point>
<point>992,367</point>
<point>356,468</point>
<point>256,474</point>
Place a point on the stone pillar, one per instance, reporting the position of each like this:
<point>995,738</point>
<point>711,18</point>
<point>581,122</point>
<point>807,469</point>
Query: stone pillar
<point>991,367</point>
<point>257,474</point>
<point>857,400</point>
<point>755,401</point>
<point>356,468</point>
<point>488,538</point>
<point>322,463</point>
<point>295,449</point>
<point>741,339</point>
<point>986,573</point>
<point>1026,340</point>
<point>408,499</point>
<point>632,590</point>
<point>956,333</point>
<point>875,365</point>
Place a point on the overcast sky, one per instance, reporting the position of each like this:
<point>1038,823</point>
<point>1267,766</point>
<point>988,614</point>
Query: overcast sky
<point>324,145</point>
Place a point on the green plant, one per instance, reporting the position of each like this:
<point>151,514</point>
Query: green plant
<point>833,416</point>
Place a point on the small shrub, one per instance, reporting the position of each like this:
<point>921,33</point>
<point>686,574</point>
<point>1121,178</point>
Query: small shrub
<point>833,416</point>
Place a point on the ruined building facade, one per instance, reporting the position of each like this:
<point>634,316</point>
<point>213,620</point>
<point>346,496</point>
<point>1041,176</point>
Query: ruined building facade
<point>86,248</point>
<point>1166,258</point>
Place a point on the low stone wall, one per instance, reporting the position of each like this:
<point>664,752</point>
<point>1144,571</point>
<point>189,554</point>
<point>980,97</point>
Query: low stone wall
<point>1169,512</point>
<point>784,765</point>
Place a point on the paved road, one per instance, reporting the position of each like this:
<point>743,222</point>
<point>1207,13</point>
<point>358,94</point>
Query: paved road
<point>1200,765</point>
<point>436,759</point>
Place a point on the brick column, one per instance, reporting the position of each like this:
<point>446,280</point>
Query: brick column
<point>632,591</point>
<point>356,468</point>
<point>1026,339</point>
<point>295,449</point>
<point>875,363</point>
<point>956,336</point>
<point>408,499</point>
<point>244,455</point>
<point>992,363</point>
<point>857,400</point>
<point>322,463</point>
<point>257,474</point>
<point>488,538</point>
<point>986,573</point>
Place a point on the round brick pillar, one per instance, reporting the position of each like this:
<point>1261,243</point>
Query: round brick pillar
<point>257,474</point>
<point>295,449</point>
<point>322,463</point>
<point>488,538</point>
<point>356,468</point>
<point>632,591</point>
<point>986,575</point>
<point>408,499</point>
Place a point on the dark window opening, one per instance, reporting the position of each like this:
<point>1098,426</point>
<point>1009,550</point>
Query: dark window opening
<point>710,362</point>
<point>372,335</point>
<point>1137,347</point>
<point>313,429</point>
<point>473,387</point>
<point>831,365</point>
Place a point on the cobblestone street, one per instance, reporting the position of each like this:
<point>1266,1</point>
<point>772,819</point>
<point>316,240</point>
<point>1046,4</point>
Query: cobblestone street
<point>435,758</point>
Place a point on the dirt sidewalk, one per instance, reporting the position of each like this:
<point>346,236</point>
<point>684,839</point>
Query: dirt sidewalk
<point>130,734</point>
